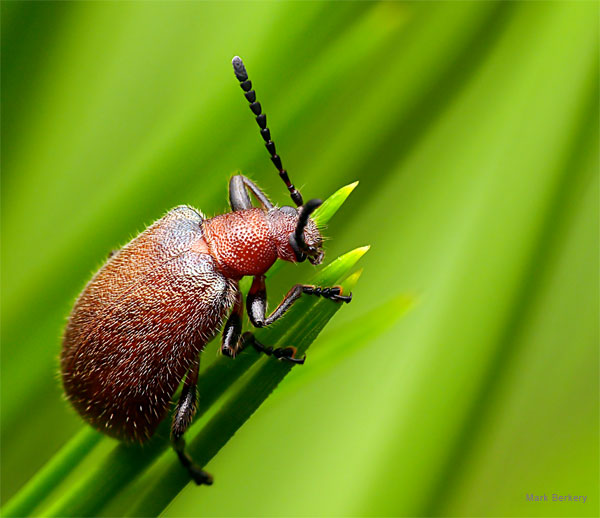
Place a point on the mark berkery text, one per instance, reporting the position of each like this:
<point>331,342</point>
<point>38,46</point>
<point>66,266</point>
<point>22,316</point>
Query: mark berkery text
<point>555,497</point>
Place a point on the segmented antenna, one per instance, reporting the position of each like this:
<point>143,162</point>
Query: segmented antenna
<point>305,212</point>
<point>261,119</point>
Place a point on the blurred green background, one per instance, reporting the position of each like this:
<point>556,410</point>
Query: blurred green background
<point>473,130</point>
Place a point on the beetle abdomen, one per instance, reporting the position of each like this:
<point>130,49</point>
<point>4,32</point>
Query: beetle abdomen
<point>139,324</point>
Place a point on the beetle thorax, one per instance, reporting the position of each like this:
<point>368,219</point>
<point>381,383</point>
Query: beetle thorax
<point>241,242</point>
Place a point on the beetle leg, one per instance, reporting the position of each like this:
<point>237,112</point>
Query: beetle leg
<point>256,302</point>
<point>281,353</point>
<point>232,344</point>
<point>184,413</point>
<point>198,475</point>
<point>256,305</point>
<point>233,329</point>
<point>186,407</point>
<point>239,198</point>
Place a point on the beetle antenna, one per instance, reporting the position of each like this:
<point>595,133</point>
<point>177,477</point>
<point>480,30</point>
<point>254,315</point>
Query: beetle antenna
<point>242,76</point>
<point>299,246</point>
<point>305,212</point>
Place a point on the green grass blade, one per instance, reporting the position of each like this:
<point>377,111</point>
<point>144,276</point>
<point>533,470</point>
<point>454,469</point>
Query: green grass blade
<point>332,204</point>
<point>246,400</point>
<point>127,462</point>
<point>26,500</point>
<point>343,342</point>
<point>131,460</point>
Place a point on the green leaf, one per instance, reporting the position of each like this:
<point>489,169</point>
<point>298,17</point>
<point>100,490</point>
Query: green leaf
<point>341,343</point>
<point>332,204</point>
<point>126,462</point>
<point>473,129</point>
<point>308,316</point>
<point>52,473</point>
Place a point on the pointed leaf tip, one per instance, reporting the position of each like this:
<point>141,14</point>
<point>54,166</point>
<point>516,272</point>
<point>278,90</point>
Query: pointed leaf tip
<point>353,255</point>
<point>351,280</point>
<point>332,204</point>
<point>340,266</point>
<point>351,186</point>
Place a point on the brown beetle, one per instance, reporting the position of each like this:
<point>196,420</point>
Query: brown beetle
<point>139,325</point>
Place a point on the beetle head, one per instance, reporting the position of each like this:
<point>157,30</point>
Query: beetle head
<point>301,238</point>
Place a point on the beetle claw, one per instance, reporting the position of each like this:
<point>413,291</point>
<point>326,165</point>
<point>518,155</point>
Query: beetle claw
<point>342,298</point>
<point>297,361</point>
<point>200,477</point>
<point>288,354</point>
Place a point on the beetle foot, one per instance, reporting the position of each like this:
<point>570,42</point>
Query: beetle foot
<point>342,298</point>
<point>200,477</point>
<point>288,354</point>
<point>334,293</point>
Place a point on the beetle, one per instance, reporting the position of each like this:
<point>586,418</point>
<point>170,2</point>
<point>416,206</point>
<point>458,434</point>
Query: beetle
<point>137,329</point>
